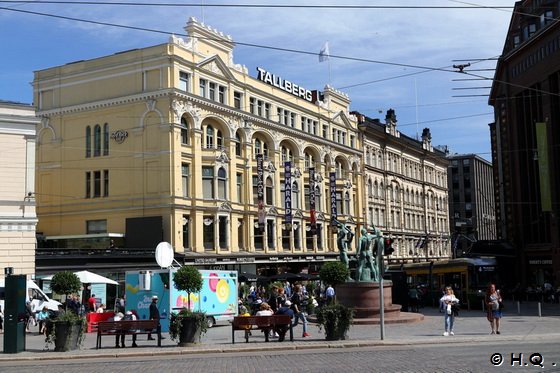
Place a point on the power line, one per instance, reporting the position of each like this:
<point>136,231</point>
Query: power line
<point>241,5</point>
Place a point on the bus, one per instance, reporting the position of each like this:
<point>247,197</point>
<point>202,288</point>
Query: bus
<point>469,278</point>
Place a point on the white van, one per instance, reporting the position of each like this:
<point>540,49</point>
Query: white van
<point>34,294</point>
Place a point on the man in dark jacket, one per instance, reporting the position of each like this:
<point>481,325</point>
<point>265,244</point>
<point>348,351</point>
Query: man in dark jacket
<point>285,309</point>
<point>154,313</point>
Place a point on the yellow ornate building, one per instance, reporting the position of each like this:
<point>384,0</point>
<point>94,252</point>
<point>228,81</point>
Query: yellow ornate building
<point>406,191</point>
<point>161,144</point>
<point>18,219</point>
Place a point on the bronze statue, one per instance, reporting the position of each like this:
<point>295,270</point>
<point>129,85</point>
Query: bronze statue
<point>368,248</point>
<point>344,238</point>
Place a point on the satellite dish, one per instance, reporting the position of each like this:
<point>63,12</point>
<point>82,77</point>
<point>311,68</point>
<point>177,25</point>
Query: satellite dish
<point>164,254</point>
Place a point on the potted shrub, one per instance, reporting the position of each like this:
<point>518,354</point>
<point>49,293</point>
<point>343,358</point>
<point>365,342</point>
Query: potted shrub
<point>187,326</point>
<point>67,329</point>
<point>334,318</point>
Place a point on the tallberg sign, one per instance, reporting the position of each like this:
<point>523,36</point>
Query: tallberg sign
<point>283,84</point>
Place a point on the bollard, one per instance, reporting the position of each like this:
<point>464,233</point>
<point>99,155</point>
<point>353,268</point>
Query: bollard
<point>483,306</point>
<point>540,314</point>
<point>518,308</point>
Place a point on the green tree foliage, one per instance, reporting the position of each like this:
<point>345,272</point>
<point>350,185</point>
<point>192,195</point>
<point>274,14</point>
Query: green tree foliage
<point>189,279</point>
<point>334,273</point>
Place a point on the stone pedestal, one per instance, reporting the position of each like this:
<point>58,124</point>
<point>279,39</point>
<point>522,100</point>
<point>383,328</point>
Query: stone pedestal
<point>363,298</point>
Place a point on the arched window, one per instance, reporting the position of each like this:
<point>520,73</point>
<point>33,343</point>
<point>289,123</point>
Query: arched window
<point>261,148</point>
<point>209,137</point>
<point>339,170</point>
<point>97,140</point>
<point>295,195</point>
<point>309,161</point>
<point>318,199</point>
<point>381,191</point>
<point>219,140</point>
<point>184,131</point>
<point>370,188</point>
<point>347,203</point>
<point>222,183</point>
<point>258,146</point>
<point>237,145</point>
<point>106,139</point>
<point>88,141</point>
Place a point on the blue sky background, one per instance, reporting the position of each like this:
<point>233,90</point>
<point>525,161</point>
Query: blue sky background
<point>430,38</point>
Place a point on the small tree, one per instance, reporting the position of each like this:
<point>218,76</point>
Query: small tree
<point>334,318</point>
<point>189,279</point>
<point>66,283</point>
<point>334,273</point>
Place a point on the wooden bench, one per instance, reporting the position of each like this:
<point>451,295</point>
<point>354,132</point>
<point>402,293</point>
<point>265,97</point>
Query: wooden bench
<point>264,323</point>
<point>128,327</point>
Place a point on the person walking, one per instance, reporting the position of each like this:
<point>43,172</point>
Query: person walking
<point>493,302</point>
<point>297,307</point>
<point>448,301</point>
<point>329,294</point>
<point>154,314</point>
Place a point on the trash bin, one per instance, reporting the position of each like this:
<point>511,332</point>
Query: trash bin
<point>14,313</point>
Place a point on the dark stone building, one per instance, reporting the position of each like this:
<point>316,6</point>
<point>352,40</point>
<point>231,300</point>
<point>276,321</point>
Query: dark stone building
<point>526,140</point>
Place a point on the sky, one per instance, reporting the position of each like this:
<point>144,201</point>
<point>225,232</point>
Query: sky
<point>383,53</point>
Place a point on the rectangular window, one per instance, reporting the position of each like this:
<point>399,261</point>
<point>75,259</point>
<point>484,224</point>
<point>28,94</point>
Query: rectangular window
<point>96,226</point>
<point>237,97</point>
<point>212,91</point>
<point>185,171</point>
<point>97,184</point>
<point>292,120</point>
<point>208,233</point>
<point>240,187</point>
<point>202,88</point>
<point>267,110</point>
<point>105,183</point>
<point>260,105</point>
<point>208,182</point>
<point>279,114</point>
<point>352,141</point>
<point>286,231</point>
<point>270,236</point>
<point>186,236</point>
<point>252,105</point>
<point>325,131</point>
<point>88,184</point>
<point>184,81</point>
<point>222,94</point>
<point>223,232</point>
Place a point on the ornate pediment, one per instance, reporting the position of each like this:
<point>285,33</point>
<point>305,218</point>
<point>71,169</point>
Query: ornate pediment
<point>217,67</point>
<point>272,211</point>
<point>222,157</point>
<point>225,206</point>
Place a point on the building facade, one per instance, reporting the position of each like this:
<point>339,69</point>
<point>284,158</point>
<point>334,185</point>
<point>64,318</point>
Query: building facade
<point>526,140</point>
<point>177,143</point>
<point>18,219</point>
<point>406,190</point>
<point>471,201</point>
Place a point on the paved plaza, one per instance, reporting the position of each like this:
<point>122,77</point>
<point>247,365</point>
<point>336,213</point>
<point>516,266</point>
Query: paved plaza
<point>470,327</point>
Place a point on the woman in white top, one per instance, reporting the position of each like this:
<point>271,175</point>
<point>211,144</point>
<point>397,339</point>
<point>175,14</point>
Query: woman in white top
<point>265,310</point>
<point>447,301</point>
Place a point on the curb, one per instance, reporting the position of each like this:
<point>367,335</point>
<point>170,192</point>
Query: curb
<point>432,340</point>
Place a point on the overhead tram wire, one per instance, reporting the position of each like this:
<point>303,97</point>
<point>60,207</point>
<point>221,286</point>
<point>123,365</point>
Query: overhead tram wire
<point>144,29</point>
<point>235,5</point>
